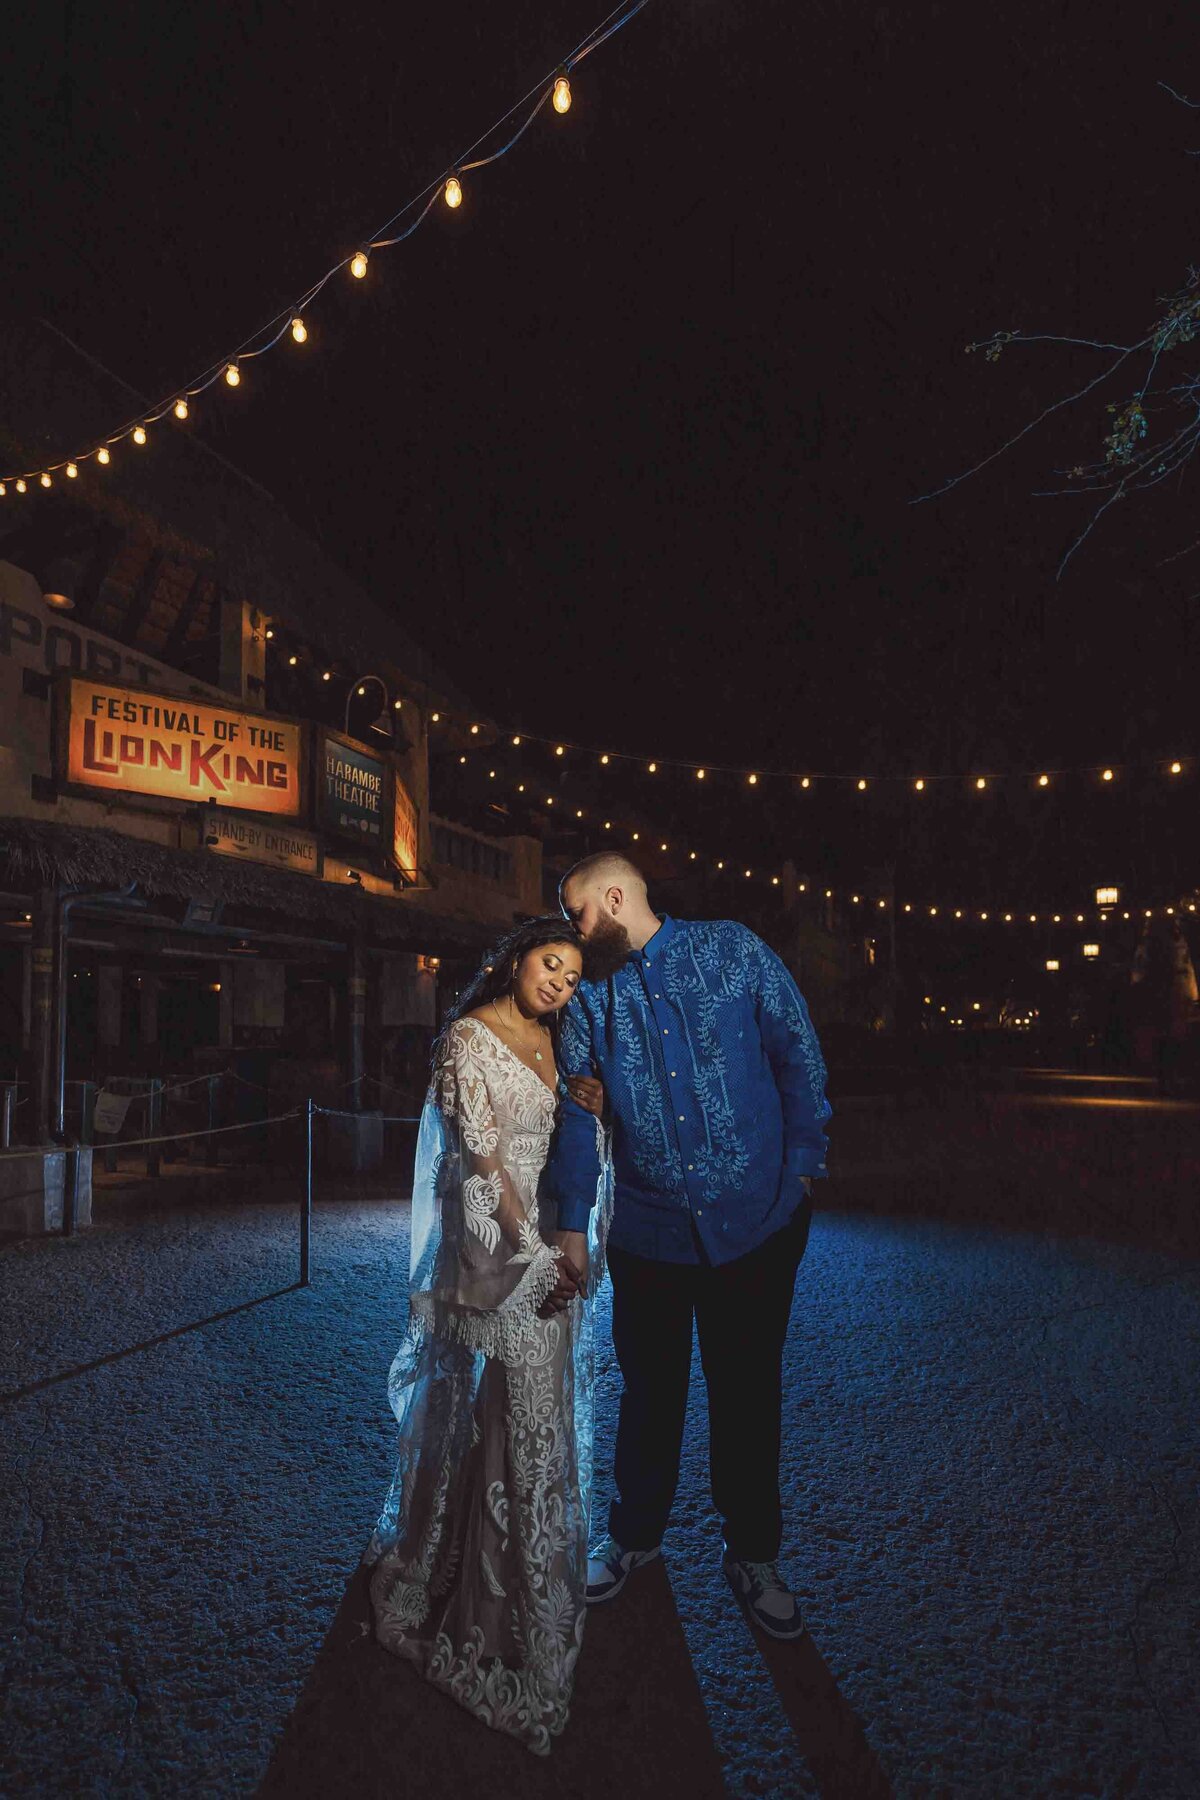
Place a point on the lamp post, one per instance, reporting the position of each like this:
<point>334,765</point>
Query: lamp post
<point>383,724</point>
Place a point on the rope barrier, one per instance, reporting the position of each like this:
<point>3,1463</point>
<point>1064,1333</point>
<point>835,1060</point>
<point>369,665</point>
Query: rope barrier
<point>170,1137</point>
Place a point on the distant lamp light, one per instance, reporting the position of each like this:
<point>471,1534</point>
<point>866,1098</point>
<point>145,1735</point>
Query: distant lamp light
<point>919,785</point>
<point>560,749</point>
<point>752,780</point>
<point>604,758</point>
<point>980,783</point>
<point>1091,951</point>
<point>983,916</point>
<point>700,774</point>
<point>805,782</point>
<point>1176,768</point>
<point>1052,965</point>
<point>862,787</point>
<point>1043,781</point>
<point>299,331</point>
<point>453,192</point>
<point>516,741</point>
<point>652,768</point>
<point>976,1006</point>
<point>562,95</point>
<point>1108,896</point>
<point>293,659</point>
<point>474,731</point>
<point>435,717</point>
<point>181,408</point>
<point>397,706</point>
<point>1106,775</point>
<point>327,675</point>
<point>233,374</point>
<point>358,264</point>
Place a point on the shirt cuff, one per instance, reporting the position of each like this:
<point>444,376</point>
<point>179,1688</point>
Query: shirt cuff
<point>803,1160</point>
<point>574,1214</point>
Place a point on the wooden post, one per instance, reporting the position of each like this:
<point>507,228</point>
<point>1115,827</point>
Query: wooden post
<point>306,1201</point>
<point>41,1036</point>
<point>356,987</point>
<point>153,1127</point>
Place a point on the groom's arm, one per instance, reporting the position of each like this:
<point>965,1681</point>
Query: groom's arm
<point>573,1166</point>
<point>794,1054</point>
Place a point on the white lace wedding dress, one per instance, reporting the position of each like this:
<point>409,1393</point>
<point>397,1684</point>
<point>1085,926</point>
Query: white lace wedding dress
<point>481,1552</point>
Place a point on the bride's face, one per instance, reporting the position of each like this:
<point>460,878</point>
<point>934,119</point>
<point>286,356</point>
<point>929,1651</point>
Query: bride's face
<point>546,978</point>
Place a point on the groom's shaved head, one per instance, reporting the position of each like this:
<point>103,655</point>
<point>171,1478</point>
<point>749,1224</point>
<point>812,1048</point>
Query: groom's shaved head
<point>608,868</point>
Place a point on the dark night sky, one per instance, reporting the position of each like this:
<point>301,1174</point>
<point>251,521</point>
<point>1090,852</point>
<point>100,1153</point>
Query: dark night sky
<point>631,440</point>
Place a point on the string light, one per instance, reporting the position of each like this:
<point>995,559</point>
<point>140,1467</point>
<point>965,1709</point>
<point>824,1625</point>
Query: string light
<point>752,780</point>
<point>1176,768</point>
<point>293,660</point>
<point>21,488</point>
<point>980,782</point>
<point>700,774</point>
<point>233,374</point>
<point>562,95</point>
<point>560,750</point>
<point>1107,775</point>
<point>299,331</point>
<point>72,471</point>
<point>103,456</point>
<point>862,786</point>
<point>453,192</point>
<point>604,758</point>
<point>919,785</point>
<point>180,408</point>
<point>652,768</point>
<point>45,480</point>
<point>805,782</point>
<point>1043,781</point>
<point>139,434</point>
<point>358,264</point>
<point>516,740</point>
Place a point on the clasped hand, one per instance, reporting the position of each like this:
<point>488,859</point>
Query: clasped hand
<point>572,1272</point>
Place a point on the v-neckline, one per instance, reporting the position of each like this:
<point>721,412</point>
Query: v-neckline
<point>551,1088</point>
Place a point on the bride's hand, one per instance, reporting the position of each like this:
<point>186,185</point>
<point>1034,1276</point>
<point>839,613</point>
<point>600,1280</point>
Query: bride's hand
<point>572,1271</point>
<point>588,1092</point>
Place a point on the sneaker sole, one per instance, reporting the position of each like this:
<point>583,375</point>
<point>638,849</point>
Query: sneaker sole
<point>791,1636</point>
<point>616,1587</point>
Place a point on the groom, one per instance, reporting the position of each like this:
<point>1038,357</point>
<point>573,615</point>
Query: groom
<point>716,1091</point>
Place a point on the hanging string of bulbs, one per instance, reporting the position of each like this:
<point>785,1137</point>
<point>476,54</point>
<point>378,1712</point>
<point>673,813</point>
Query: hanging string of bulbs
<point>554,89</point>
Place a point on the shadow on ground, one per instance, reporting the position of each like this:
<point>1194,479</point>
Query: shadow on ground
<point>366,1724</point>
<point>827,1731</point>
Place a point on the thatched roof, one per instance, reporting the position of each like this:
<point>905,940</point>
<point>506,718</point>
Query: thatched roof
<point>38,853</point>
<point>54,399</point>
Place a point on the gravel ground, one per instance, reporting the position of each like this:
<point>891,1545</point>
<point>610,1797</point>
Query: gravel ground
<point>991,1486</point>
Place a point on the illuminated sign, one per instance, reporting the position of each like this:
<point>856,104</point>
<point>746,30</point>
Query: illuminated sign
<point>352,785</point>
<point>255,840</point>
<point>404,830</point>
<point>131,741</point>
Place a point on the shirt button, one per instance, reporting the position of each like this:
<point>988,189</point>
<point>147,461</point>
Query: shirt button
<point>672,1074</point>
<point>681,1118</point>
<point>658,996</point>
<point>691,1165</point>
<point>666,1033</point>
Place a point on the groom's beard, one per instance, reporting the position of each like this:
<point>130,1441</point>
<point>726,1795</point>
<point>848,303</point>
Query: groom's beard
<point>606,949</point>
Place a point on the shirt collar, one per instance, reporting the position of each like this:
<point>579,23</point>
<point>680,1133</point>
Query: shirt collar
<point>654,947</point>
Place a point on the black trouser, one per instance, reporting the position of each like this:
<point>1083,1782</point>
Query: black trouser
<point>741,1312</point>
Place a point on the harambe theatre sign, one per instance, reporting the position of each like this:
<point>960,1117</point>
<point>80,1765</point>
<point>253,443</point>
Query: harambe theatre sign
<point>181,749</point>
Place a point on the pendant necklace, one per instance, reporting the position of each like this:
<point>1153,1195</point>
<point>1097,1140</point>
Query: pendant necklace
<point>537,1055</point>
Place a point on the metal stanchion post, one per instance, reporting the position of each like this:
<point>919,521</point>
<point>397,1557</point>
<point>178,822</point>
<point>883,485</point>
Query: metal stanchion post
<point>70,1188</point>
<point>306,1207</point>
<point>10,1097</point>
<point>210,1147</point>
<point>154,1127</point>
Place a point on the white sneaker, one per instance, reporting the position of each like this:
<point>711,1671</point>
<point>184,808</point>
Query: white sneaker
<point>609,1567</point>
<point>764,1597</point>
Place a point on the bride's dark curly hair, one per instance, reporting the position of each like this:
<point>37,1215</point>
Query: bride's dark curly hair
<point>493,977</point>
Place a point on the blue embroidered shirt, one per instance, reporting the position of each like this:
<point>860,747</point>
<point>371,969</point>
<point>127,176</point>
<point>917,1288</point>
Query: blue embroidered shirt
<point>716,1092</point>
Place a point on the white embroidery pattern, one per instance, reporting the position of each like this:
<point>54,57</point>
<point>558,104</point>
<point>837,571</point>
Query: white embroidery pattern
<point>481,1551</point>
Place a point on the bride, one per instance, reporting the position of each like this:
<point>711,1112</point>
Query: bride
<point>480,1555</point>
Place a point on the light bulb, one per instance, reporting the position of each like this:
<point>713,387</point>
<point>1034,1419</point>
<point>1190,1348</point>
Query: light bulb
<point>299,331</point>
<point>604,758</point>
<point>474,731</point>
<point>1043,781</point>
<point>562,95</point>
<point>983,915</point>
<point>700,774</point>
<point>292,661</point>
<point>981,782</point>
<point>3,490</point>
<point>181,408</point>
<point>752,780</point>
<point>516,740</point>
<point>397,705</point>
<point>270,632</point>
<point>453,192</point>
<point>1176,768</point>
<point>746,872</point>
<point>608,824</point>
<point>72,471</point>
<point>862,787</point>
<point>804,781</point>
<point>232,374</point>
<point>652,768</point>
<point>560,750</point>
<point>358,264</point>
<point>139,434</point>
<point>1107,775</point>
<point>21,488</point>
<point>491,774</point>
<point>327,675</point>
<point>103,456</point>
<point>662,846</point>
<point>45,480</point>
<point>579,813</point>
<point>691,856</point>
<point>361,690</point>
<point>435,717</point>
<point>920,786</point>
<point>774,881</point>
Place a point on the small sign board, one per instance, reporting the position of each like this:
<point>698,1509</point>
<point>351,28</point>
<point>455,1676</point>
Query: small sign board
<point>257,840</point>
<point>109,1114</point>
